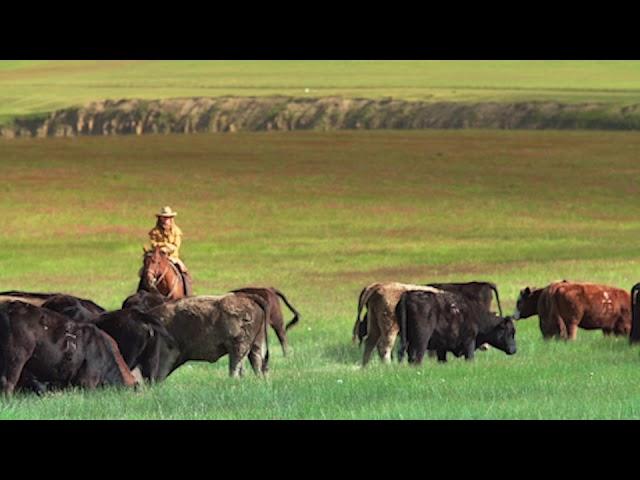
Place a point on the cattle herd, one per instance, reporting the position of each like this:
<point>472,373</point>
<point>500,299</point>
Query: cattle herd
<point>50,341</point>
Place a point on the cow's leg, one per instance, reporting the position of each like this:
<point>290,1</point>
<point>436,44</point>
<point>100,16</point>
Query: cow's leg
<point>385,346</point>
<point>558,326</point>
<point>256,357</point>
<point>544,329</point>
<point>415,353</point>
<point>236,355</point>
<point>470,350</point>
<point>149,362</point>
<point>29,382</point>
<point>412,354</point>
<point>282,338</point>
<point>87,379</point>
<point>87,376</point>
<point>418,347</point>
<point>622,327</point>
<point>15,359</point>
<point>418,358</point>
<point>235,366</point>
<point>442,355</point>
<point>572,331</point>
<point>370,342</point>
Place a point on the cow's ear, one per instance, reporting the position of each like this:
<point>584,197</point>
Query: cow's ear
<point>527,290</point>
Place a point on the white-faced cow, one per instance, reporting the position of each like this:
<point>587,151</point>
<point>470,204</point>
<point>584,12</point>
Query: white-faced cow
<point>381,323</point>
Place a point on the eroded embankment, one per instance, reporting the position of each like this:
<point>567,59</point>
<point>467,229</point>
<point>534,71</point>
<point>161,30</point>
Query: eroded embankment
<point>230,114</point>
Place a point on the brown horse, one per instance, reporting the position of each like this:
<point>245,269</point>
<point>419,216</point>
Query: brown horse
<point>160,275</point>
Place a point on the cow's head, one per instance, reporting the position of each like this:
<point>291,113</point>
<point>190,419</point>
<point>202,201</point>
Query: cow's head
<point>166,352</point>
<point>503,336</point>
<point>527,303</point>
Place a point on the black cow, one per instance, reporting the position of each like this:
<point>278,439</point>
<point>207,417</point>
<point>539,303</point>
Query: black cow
<point>77,309</point>
<point>449,322</point>
<point>481,292</point>
<point>143,300</point>
<point>527,303</point>
<point>142,339</point>
<point>39,345</point>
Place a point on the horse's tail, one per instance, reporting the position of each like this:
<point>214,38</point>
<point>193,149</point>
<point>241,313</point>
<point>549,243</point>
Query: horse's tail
<point>495,290</point>
<point>634,336</point>
<point>296,315</point>
<point>365,294</point>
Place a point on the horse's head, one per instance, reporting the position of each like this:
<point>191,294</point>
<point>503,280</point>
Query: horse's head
<point>156,262</point>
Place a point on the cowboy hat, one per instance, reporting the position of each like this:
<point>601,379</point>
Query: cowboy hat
<point>166,212</point>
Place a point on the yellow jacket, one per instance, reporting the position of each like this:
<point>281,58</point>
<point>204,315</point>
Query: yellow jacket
<point>170,241</point>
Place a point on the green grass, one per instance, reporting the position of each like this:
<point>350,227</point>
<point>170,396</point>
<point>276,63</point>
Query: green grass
<point>320,215</point>
<point>28,87</point>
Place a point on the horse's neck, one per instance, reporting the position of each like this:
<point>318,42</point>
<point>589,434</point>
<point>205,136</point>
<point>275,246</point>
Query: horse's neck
<point>172,281</point>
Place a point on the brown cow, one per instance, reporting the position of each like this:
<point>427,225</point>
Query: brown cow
<point>270,295</point>
<point>564,306</point>
<point>39,343</point>
<point>208,327</point>
<point>381,300</point>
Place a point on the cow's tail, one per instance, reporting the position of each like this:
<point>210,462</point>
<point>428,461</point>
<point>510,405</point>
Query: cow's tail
<point>634,336</point>
<point>495,290</point>
<point>362,301</point>
<point>296,314</point>
<point>5,327</point>
<point>401,314</point>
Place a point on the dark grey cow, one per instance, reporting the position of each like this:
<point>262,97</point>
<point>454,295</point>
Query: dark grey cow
<point>449,322</point>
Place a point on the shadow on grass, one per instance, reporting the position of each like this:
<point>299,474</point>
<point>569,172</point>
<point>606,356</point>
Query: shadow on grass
<point>345,353</point>
<point>350,353</point>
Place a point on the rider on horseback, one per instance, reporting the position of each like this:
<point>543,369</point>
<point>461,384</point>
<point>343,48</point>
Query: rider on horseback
<point>168,236</point>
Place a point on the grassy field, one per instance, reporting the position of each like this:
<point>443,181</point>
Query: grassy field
<point>37,87</point>
<point>320,215</point>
